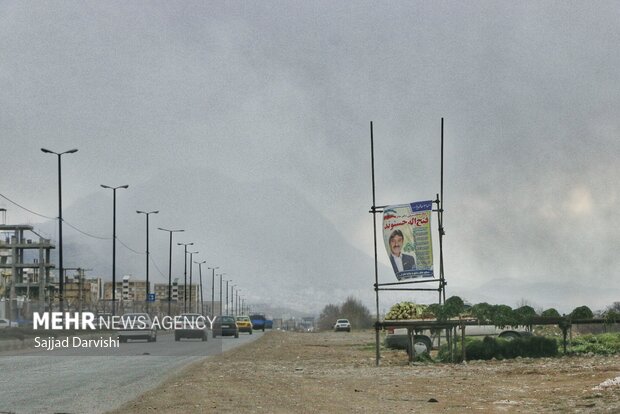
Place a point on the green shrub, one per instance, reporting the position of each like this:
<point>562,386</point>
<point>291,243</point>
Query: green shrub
<point>524,315</point>
<point>498,348</point>
<point>602,344</point>
<point>582,312</point>
<point>551,313</point>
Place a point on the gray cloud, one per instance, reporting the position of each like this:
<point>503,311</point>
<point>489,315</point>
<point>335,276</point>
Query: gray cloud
<point>281,91</point>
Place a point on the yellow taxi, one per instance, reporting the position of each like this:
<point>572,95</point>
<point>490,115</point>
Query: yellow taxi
<point>244,323</point>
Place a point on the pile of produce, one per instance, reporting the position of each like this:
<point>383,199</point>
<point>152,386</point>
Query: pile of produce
<point>406,310</point>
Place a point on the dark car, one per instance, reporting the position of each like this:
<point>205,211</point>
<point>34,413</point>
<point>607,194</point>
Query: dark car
<point>258,322</point>
<point>191,325</point>
<point>225,326</point>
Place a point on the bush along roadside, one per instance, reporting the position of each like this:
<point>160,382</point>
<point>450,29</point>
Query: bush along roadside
<point>601,344</point>
<point>490,347</point>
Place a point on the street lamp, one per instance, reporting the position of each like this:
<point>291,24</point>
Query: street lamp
<point>220,275</point>
<point>114,244</point>
<point>232,298</point>
<point>185,274</point>
<point>170,267</point>
<point>213,289</point>
<point>191,267</point>
<point>61,280</point>
<point>202,306</point>
<point>237,302</point>
<point>147,250</point>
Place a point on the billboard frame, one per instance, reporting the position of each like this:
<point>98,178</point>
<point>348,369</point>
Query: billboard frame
<point>374,210</point>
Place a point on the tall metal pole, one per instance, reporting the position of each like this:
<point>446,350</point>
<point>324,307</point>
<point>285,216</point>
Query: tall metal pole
<point>213,289</point>
<point>374,222</point>
<point>220,275</point>
<point>441,229</point>
<point>148,290</point>
<point>61,280</point>
<point>185,274</point>
<point>232,298</point>
<point>227,310</point>
<point>191,267</point>
<point>170,267</point>
<point>202,306</point>
<point>114,242</point>
<point>237,301</point>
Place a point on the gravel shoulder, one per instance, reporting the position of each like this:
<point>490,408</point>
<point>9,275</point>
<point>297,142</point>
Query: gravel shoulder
<point>285,372</point>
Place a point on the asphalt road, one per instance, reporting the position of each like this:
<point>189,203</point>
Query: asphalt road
<point>89,380</point>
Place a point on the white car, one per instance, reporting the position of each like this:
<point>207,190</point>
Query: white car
<point>5,323</point>
<point>342,325</point>
<point>136,326</point>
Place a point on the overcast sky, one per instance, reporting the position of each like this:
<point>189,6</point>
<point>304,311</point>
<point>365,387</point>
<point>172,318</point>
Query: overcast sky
<point>270,90</point>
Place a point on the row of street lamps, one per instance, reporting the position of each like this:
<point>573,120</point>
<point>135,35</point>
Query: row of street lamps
<point>170,231</point>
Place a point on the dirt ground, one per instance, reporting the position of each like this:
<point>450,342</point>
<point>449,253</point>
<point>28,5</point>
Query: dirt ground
<point>285,372</point>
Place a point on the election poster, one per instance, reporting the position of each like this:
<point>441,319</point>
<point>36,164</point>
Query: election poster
<point>407,238</point>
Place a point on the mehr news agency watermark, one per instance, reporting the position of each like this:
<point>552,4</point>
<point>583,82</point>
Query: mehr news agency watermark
<point>87,321</point>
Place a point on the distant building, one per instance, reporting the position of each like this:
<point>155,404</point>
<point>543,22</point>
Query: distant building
<point>126,289</point>
<point>83,293</point>
<point>24,267</point>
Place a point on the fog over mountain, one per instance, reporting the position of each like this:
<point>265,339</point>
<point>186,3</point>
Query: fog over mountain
<point>247,124</point>
<point>264,236</point>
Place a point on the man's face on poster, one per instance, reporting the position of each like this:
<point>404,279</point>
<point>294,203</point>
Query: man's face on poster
<point>396,243</point>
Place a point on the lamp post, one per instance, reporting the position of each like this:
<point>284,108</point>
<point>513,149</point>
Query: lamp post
<point>227,296</point>
<point>220,275</point>
<point>232,298</point>
<point>185,275</point>
<point>213,289</point>
<point>170,267</point>
<point>114,243</point>
<point>61,289</point>
<point>148,290</point>
<point>191,267</point>
<point>237,301</point>
<point>202,306</point>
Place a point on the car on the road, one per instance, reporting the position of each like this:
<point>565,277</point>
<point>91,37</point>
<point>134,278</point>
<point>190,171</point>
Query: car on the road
<point>225,326</point>
<point>258,321</point>
<point>191,325</point>
<point>5,323</point>
<point>136,326</point>
<point>342,325</point>
<point>244,324</point>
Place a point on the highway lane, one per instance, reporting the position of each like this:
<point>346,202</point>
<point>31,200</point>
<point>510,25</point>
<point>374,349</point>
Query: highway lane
<point>97,380</point>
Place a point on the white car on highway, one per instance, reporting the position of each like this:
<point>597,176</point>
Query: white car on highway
<point>136,326</point>
<point>342,325</point>
<point>5,323</point>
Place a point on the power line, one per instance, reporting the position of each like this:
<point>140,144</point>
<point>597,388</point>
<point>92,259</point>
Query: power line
<point>129,248</point>
<point>84,233</point>
<point>27,209</point>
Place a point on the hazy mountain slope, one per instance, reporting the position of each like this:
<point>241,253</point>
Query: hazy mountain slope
<point>267,239</point>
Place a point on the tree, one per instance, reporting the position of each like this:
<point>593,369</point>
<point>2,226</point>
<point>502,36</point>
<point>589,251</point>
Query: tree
<point>615,307</point>
<point>483,312</point>
<point>454,306</point>
<point>503,315</point>
<point>550,313</point>
<point>352,309</point>
<point>328,317</point>
<point>355,311</point>
<point>582,312</point>
<point>524,315</point>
